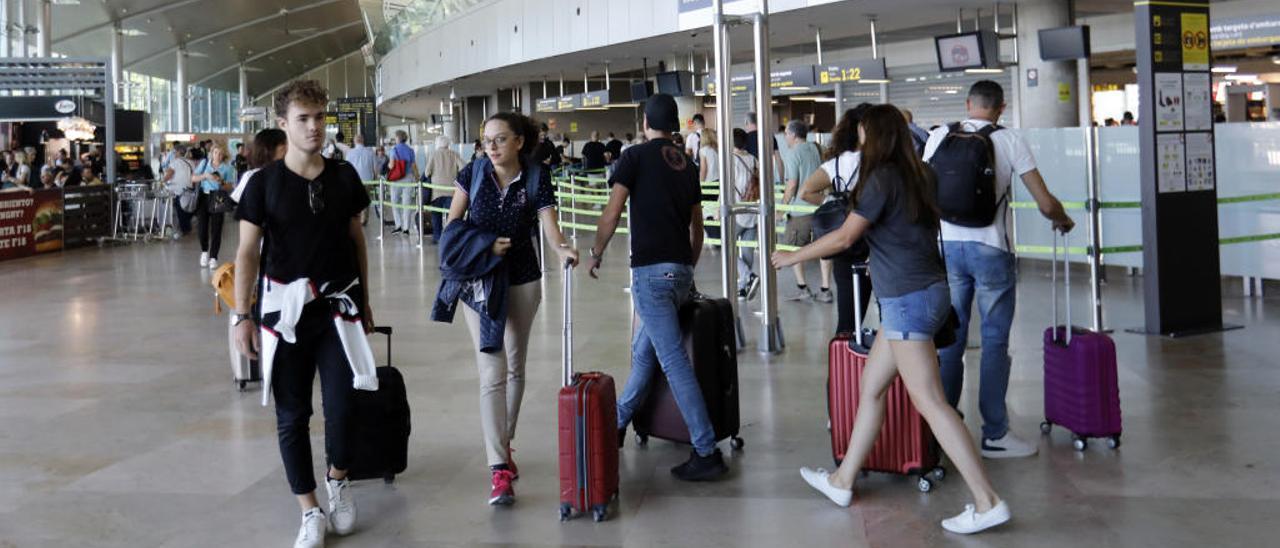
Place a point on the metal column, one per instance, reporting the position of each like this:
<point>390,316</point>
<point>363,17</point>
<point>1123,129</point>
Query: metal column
<point>1095,225</point>
<point>21,49</point>
<point>184,103</point>
<point>771,340</point>
<point>243,89</point>
<point>5,40</point>
<point>44,28</point>
<point>728,192</point>
<point>117,57</point>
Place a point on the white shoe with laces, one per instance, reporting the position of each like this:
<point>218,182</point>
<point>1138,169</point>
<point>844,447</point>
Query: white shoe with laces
<point>311,533</point>
<point>972,521</point>
<point>820,479</point>
<point>204,259</point>
<point>342,507</point>
<point>213,264</point>
<point>1008,446</point>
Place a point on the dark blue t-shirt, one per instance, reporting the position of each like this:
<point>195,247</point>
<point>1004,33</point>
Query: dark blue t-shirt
<point>511,215</point>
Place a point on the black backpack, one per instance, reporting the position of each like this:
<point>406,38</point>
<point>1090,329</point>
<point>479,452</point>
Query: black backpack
<point>965,164</point>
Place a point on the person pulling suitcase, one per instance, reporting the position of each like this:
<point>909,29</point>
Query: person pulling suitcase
<point>894,208</point>
<point>666,237</point>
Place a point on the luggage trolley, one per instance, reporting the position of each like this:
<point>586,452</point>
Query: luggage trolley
<point>133,194</point>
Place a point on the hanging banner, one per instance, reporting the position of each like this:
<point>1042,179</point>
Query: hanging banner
<point>593,99</point>
<point>30,223</point>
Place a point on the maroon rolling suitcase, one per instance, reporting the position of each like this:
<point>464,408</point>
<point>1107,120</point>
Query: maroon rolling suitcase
<point>905,445</point>
<point>709,338</point>
<point>588,432</point>
<point>1081,388</point>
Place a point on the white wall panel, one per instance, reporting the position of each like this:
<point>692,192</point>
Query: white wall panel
<point>619,20</point>
<point>597,23</point>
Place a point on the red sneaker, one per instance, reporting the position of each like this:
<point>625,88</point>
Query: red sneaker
<point>511,465</point>
<point>502,493</point>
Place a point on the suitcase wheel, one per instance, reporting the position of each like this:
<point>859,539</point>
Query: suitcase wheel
<point>600,512</point>
<point>642,440</point>
<point>1114,441</point>
<point>938,474</point>
<point>924,484</point>
<point>1046,427</point>
<point>566,510</point>
<point>241,384</point>
<point>1079,443</point>
<point>736,443</point>
<point>389,479</point>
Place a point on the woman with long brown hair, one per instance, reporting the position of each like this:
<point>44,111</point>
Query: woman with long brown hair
<point>893,206</point>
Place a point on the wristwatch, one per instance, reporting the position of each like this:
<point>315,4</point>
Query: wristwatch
<point>237,318</point>
<point>594,255</point>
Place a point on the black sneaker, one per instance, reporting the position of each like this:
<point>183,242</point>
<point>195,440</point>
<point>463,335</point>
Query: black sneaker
<point>699,468</point>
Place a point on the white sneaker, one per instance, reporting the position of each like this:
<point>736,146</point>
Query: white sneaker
<point>342,507</point>
<point>971,521</point>
<point>213,263</point>
<point>1008,447</point>
<point>311,533</point>
<point>204,259</point>
<point>820,479</point>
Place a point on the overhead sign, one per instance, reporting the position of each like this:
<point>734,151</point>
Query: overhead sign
<point>39,108</point>
<point>568,102</point>
<point>737,84</point>
<point>857,70</point>
<point>797,76</point>
<point>546,104</point>
<point>592,99</point>
<point>1245,32</point>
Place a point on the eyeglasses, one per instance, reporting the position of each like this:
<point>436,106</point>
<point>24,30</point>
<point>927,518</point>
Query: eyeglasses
<point>315,196</point>
<point>500,140</point>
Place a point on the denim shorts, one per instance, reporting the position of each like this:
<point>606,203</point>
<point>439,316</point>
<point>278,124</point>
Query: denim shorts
<point>915,316</point>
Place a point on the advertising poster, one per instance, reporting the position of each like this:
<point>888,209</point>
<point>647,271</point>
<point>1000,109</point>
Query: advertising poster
<point>1200,161</point>
<point>1168,101</point>
<point>30,223</point>
<point>1197,101</point>
<point>1171,163</point>
<point>1195,41</point>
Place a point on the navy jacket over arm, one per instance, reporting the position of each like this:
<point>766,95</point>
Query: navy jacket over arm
<point>469,270</point>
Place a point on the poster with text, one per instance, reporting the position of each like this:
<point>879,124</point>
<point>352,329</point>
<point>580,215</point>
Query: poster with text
<point>1197,101</point>
<point>1171,163</point>
<point>1200,161</point>
<point>1169,101</point>
<point>30,223</point>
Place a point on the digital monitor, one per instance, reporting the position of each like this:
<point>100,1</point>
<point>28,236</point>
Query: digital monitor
<point>1064,43</point>
<point>671,83</point>
<point>967,50</point>
<point>641,90</point>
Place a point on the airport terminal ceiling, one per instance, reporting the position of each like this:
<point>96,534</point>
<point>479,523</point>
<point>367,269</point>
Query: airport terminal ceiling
<point>844,26</point>
<point>279,39</point>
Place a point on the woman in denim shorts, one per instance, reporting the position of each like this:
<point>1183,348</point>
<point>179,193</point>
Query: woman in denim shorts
<point>893,207</point>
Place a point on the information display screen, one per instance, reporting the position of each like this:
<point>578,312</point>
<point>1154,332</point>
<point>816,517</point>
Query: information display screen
<point>960,51</point>
<point>1064,43</point>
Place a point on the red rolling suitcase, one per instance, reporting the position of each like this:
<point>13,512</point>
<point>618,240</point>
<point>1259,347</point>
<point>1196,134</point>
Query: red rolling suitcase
<point>905,445</point>
<point>709,338</point>
<point>588,432</point>
<point>1081,388</point>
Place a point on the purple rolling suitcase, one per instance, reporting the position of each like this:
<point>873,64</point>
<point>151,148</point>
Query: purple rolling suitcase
<point>1081,390</point>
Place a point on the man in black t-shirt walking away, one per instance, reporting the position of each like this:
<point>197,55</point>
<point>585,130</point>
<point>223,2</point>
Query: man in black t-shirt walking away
<point>666,238</point>
<point>593,153</point>
<point>301,216</point>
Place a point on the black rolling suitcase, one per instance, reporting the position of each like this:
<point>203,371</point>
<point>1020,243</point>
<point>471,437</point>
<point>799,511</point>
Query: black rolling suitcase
<point>380,425</point>
<point>709,339</point>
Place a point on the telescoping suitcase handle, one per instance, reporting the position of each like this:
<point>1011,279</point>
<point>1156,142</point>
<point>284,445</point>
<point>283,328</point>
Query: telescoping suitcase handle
<point>1066,269</point>
<point>566,338</point>
<point>857,303</point>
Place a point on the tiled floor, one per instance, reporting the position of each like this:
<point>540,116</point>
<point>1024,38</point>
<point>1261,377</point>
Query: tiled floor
<point>119,426</point>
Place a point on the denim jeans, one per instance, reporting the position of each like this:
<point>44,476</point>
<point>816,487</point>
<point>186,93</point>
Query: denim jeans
<point>987,272</point>
<point>658,291</point>
<point>916,316</point>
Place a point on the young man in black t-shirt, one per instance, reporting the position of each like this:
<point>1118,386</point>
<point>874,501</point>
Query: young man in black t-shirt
<point>303,214</point>
<point>666,238</point>
<point>593,153</point>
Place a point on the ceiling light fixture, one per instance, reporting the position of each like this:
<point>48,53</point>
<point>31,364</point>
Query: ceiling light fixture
<point>984,70</point>
<point>1242,77</point>
<point>1223,69</point>
<point>132,32</point>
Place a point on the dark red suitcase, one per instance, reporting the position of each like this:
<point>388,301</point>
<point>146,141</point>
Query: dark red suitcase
<point>905,445</point>
<point>588,432</point>
<point>1081,385</point>
<point>708,329</point>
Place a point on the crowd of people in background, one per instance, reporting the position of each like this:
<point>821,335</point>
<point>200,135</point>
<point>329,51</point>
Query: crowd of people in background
<point>19,170</point>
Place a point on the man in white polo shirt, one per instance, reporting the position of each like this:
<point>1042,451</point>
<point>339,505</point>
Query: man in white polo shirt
<point>979,254</point>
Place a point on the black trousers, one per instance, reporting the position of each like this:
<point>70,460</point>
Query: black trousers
<point>318,348</point>
<point>843,272</point>
<point>208,227</point>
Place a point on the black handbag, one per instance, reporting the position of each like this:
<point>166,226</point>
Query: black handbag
<point>220,202</point>
<point>832,214</point>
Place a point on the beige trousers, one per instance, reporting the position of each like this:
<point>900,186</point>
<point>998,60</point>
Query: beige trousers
<point>502,372</point>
